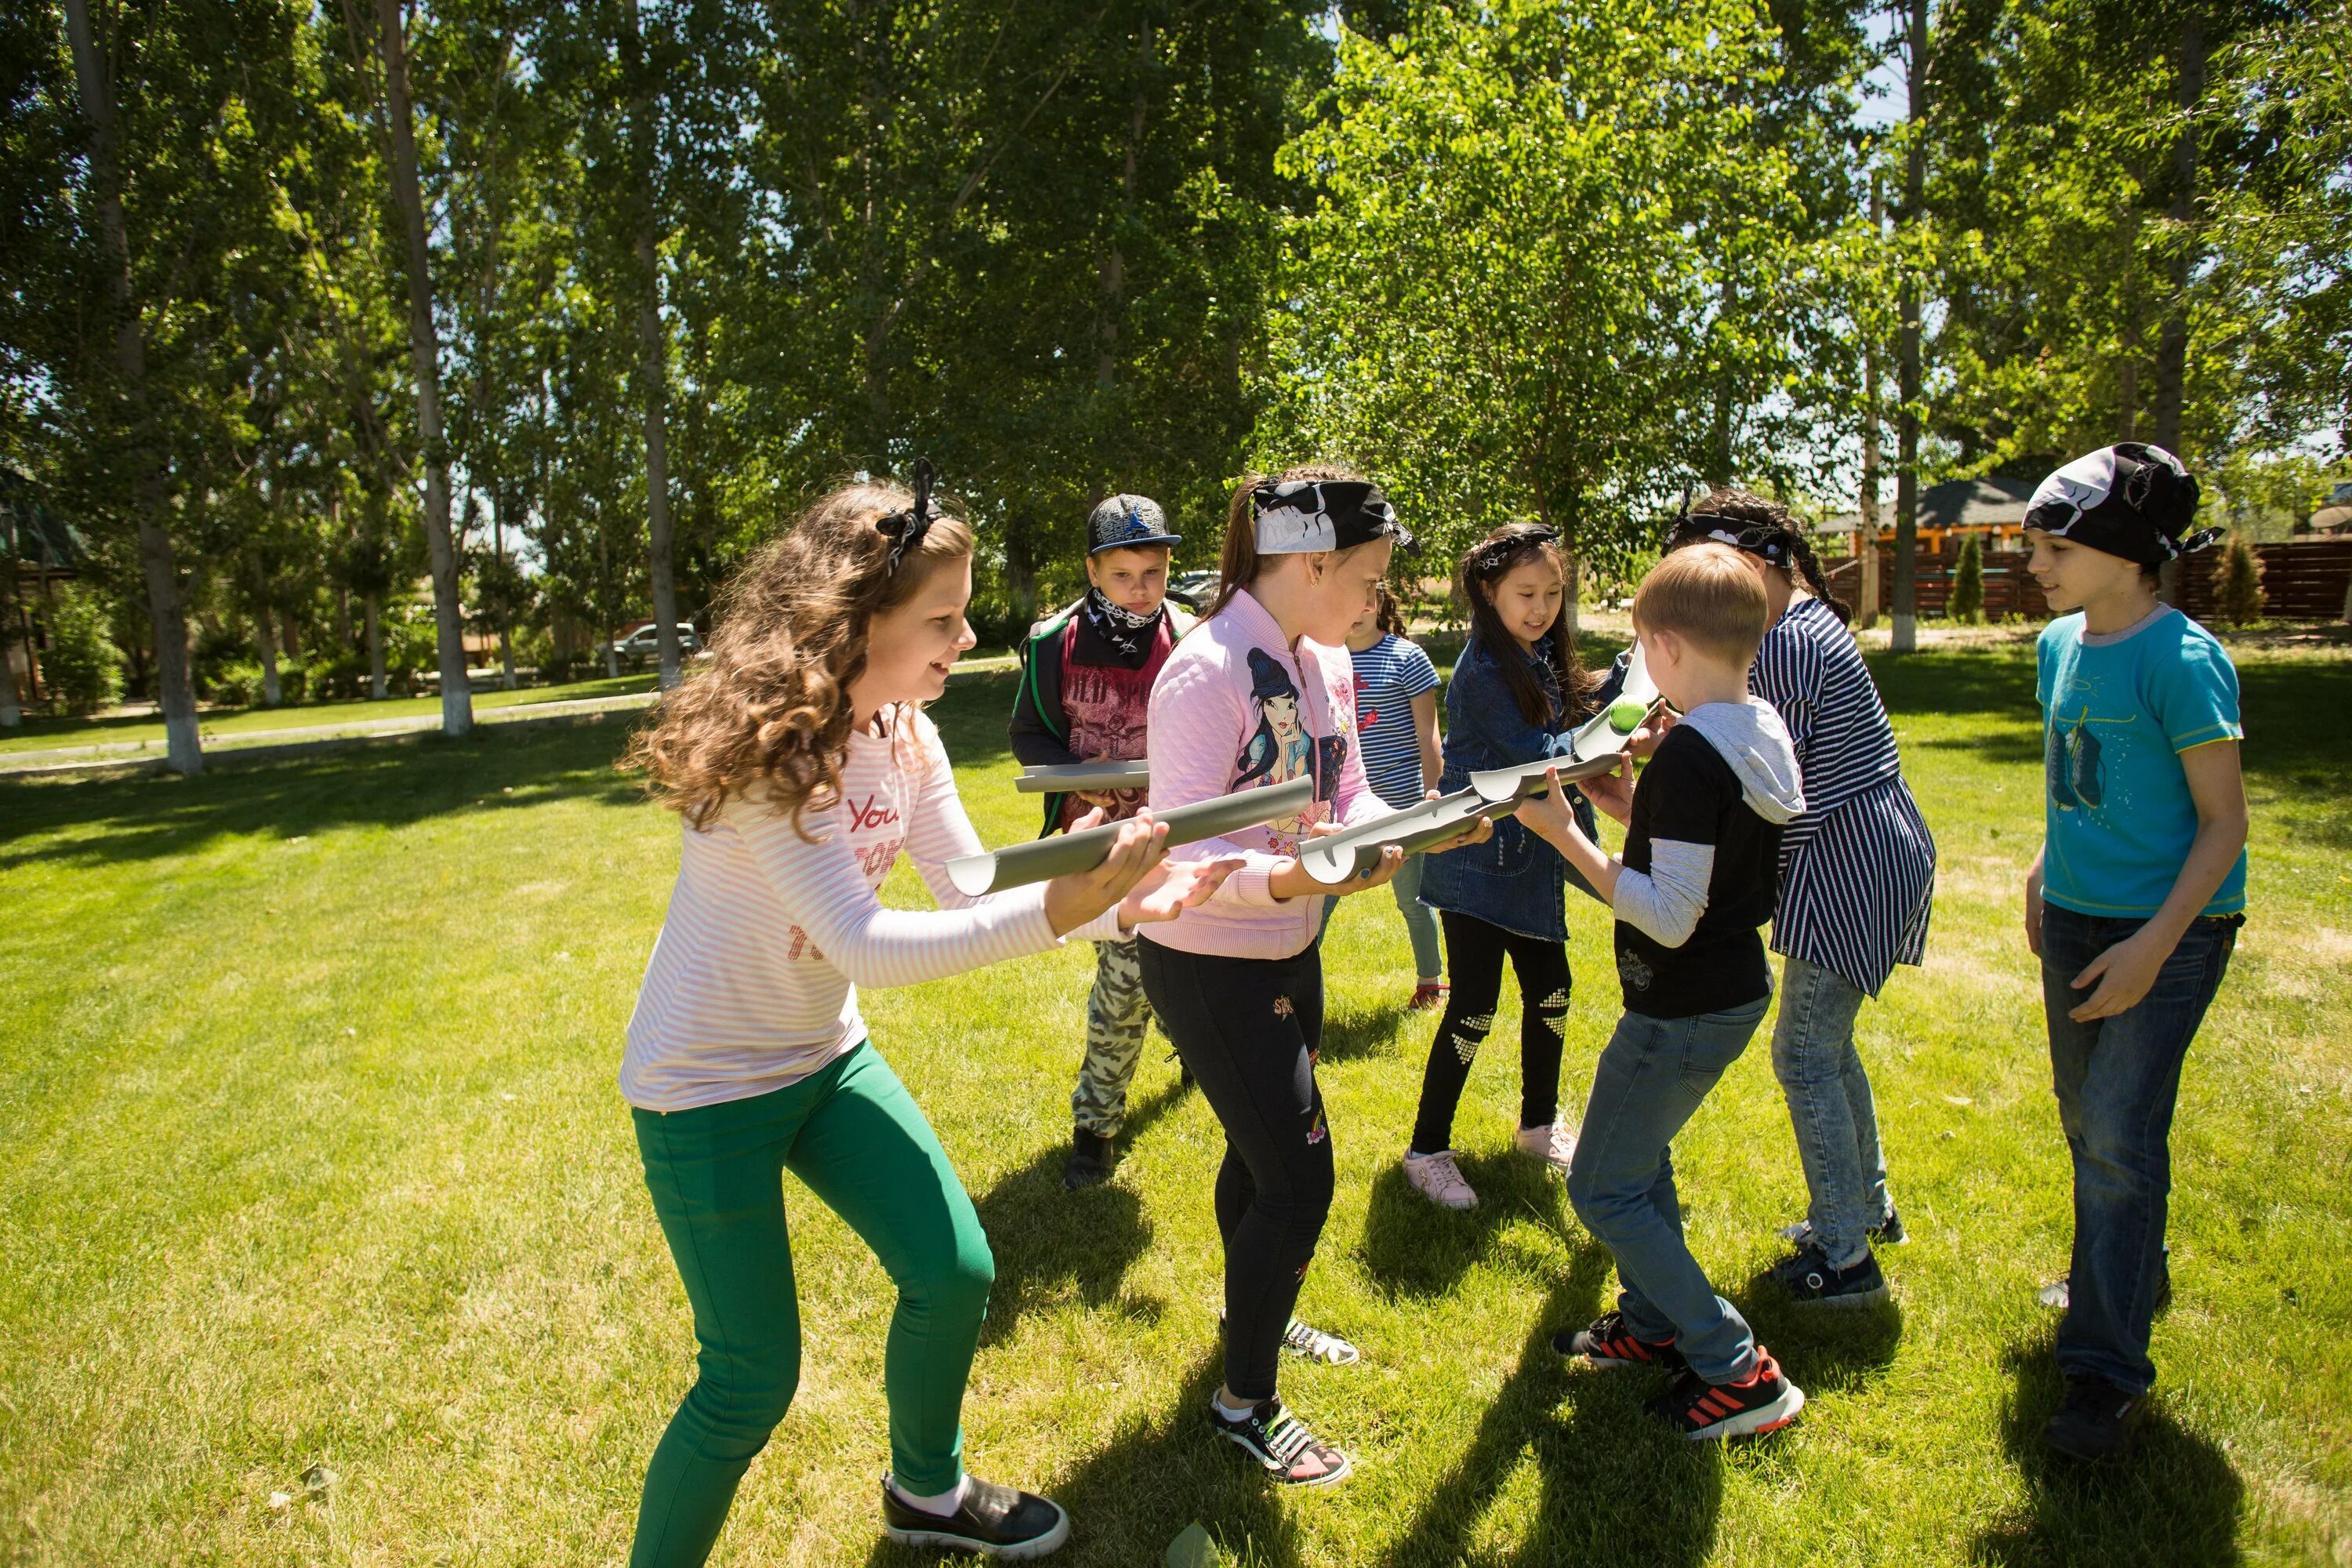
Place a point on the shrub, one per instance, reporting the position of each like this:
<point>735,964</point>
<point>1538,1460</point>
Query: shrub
<point>235,684</point>
<point>2241,589</point>
<point>81,668</point>
<point>1968,583</point>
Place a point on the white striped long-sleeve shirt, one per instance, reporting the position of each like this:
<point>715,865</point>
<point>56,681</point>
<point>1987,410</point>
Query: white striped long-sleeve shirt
<point>754,981</point>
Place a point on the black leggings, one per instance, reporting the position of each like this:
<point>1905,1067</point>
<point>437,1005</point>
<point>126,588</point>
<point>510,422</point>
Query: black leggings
<point>1248,1028</point>
<point>1474,966</point>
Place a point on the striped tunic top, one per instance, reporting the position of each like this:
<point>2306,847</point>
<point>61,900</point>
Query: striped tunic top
<point>1858,869</point>
<point>754,981</point>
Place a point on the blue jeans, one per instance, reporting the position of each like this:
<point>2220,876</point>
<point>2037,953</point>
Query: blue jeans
<point>1830,1105</point>
<point>1419,920</point>
<point>1652,1075</point>
<point>2116,1081</point>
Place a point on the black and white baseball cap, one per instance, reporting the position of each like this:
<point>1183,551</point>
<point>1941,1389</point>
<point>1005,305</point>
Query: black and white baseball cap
<point>1127,522</point>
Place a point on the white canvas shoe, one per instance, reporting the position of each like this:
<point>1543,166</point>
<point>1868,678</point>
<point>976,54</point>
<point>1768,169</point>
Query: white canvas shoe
<point>1437,1178</point>
<point>1553,1143</point>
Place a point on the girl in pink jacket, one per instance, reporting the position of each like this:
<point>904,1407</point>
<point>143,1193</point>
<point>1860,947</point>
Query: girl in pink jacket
<point>1259,693</point>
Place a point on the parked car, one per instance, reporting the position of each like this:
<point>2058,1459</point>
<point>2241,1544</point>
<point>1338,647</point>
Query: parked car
<point>1193,589</point>
<point>640,645</point>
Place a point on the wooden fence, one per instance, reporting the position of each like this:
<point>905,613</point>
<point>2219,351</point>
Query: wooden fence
<point>2303,580</point>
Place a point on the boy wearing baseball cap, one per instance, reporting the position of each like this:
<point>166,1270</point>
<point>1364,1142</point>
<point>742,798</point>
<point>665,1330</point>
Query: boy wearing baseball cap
<point>2135,902</point>
<point>1086,688</point>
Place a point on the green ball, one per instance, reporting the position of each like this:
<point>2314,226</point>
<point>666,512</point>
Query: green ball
<point>1626,716</point>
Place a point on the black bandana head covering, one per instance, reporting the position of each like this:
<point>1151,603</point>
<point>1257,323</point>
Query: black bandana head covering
<point>1305,515</point>
<point>1773,544</point>
<point>1492,558</point>
<point>2130,499</point>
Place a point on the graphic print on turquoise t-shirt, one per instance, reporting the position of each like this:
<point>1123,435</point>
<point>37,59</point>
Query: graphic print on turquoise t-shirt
<point>2117,714</point>
<point>2072,765</point>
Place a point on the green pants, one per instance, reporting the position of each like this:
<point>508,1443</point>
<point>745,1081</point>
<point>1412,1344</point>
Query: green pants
<point>854,1136</point>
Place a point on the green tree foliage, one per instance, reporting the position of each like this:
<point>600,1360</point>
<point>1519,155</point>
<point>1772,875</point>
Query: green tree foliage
<point>81,667</point>
<point>1966,605</point>
<point>1545,249</point>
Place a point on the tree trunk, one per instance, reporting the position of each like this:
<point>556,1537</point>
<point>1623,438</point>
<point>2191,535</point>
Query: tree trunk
<point>1572,585</point>
<point>655,367</point>
<point>12,716</point>
<point>175,689</point>
<point>425,358</point>
<point>1907,478</point>
<point>1110,291</point>
<point>1874,457</point>
<point>2172,337</point>
<point>375,647</point>
<point>264,636</point>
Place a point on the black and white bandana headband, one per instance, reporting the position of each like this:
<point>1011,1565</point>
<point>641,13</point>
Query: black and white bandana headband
<point>1773,544</point>
<point>905,529</point>
<point>1323,514</point>
<point>2130,499</point>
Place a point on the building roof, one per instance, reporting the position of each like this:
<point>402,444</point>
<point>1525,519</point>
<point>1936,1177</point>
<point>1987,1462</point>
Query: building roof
<point>1958,504</point>
<point>32,532</point>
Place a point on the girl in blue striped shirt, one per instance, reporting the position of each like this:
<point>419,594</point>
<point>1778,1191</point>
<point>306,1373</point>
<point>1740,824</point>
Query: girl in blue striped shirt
<point>1857,882</point>
<point>1396,728</point>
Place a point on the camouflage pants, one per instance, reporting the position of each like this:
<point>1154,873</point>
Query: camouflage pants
<point>1116,1014</point>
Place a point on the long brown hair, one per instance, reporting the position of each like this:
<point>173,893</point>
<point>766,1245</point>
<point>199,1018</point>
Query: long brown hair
<point>1735,510</point>
<point>771,706</point>
<point>1486,564</point>
<point>1239,566</point>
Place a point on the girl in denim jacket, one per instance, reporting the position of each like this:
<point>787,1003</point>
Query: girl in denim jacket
<point>1517,696</point>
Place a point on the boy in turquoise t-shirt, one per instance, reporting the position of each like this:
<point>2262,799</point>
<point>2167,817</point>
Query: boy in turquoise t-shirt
<point>2135,901</point>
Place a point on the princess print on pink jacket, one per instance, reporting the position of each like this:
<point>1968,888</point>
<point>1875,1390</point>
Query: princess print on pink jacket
<point>1235,708</point>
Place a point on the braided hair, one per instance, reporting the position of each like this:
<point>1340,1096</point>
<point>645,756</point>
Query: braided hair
<point>1758,527</point>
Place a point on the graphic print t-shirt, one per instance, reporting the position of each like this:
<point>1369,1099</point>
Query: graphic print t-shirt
<point>1388,675</point>
<point>2117,713</point>
<point>1688,795</point>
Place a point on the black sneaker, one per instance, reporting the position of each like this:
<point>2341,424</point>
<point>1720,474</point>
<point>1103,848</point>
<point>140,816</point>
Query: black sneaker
<point>1887,1232</point>
<point>1610,1344</point>
<point>1091,1158</point>
<point>994,1520</point>
<point>2096,1421</point>
<point>1811,1282</point>
<point>1282,1445</point>
<point>1704,1412</point>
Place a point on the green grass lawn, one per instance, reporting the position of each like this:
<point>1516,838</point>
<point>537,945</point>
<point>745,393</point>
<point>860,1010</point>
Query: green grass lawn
<point>40,735</point>
<point>311,1156</point>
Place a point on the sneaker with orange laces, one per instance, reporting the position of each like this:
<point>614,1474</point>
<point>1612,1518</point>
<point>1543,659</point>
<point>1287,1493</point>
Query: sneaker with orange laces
<point>1610,1344</point>
<point>1704,1412</point>
<point>1428,994</point>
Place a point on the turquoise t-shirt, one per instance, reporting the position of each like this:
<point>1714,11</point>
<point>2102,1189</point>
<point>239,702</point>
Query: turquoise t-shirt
<point>2116,713</point>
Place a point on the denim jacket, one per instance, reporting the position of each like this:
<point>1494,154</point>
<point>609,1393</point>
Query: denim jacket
<point>1515,879</point>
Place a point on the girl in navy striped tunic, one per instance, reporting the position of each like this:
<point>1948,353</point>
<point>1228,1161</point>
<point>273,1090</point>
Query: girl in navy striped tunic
<point>1857,882</point>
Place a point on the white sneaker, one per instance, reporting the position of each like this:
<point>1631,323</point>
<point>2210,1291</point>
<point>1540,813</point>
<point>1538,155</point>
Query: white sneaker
<point>1437,1178</point>
<point>1552,1143</point>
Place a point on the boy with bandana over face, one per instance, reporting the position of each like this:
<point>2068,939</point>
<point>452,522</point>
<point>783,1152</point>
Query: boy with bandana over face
<point>2135,901</point>
<point>1085,686</point>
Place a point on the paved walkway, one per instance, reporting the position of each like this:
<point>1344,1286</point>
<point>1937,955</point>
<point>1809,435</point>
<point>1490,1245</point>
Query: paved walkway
<point>266,745</point>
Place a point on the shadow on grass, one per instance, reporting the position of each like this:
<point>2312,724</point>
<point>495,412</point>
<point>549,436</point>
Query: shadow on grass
<point>1413,1247</point>
<point>389,784</point>
<point>1156,1475</point>
<point>1615,1484</point>
<point>1048,1240</point>
<point>1359,1033</point>
<point>2176,1498</point>
<point>1824,1350</point>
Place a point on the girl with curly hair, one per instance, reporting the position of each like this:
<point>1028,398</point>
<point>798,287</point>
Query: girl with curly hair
<point>802,762</point>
